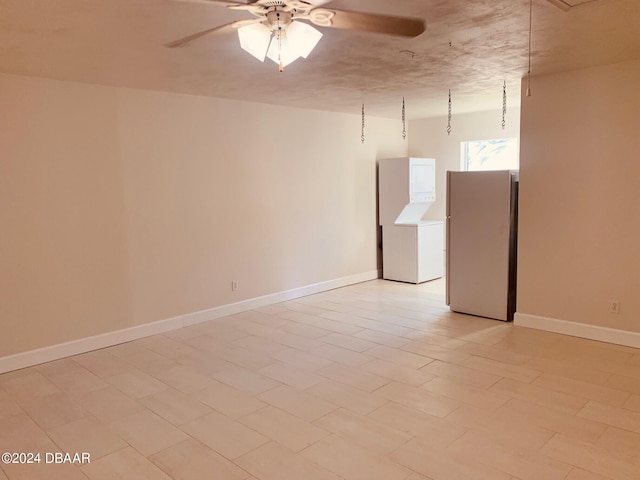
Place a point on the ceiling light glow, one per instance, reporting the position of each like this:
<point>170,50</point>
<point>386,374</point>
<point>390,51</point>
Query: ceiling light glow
<point>282,45</point>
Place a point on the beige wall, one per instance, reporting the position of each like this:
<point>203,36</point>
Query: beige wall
<point>579,243</point>
<point>428,138</point>
<point>121,207</point>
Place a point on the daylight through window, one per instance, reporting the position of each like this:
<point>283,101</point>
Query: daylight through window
<point>500,154</point>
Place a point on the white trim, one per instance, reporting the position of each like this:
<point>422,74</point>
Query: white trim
<point>83,345</point>
<point>582,330</point>
<point>257,302</point>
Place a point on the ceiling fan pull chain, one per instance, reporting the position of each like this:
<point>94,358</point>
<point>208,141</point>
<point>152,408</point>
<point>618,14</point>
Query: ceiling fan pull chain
<point>279,34</point>
<point>404,124</point>
<point>449,116</point>
<point>362,135</point>
<point>504,105</point>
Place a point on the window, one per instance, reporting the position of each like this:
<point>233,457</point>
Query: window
<point>501,154</point>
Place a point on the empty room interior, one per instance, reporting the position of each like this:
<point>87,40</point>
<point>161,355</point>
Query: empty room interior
<point>231,241</point>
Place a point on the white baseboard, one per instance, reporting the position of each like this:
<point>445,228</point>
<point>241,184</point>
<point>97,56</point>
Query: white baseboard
<point>582,330</point>
<point>83,345</point>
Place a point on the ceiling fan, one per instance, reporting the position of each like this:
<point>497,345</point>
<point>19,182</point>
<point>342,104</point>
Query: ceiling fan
<point>277,32</point>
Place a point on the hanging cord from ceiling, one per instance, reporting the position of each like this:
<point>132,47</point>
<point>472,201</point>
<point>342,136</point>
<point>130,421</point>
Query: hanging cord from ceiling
<point>362,134</point>
<point>449,116</point>
<point>404,121</point>
<point>504,104</point>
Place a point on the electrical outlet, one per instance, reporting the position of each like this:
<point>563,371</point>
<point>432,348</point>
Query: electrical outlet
<point>234,285</point>
<point>614,306</point>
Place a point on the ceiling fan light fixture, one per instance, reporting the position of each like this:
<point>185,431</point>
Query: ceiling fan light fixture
<point>280,50</point>
<point>255,39</point>
<point>297,40</point>
<point>303,37</point>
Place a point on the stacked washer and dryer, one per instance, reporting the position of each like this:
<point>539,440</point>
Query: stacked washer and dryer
<point>412,248</point>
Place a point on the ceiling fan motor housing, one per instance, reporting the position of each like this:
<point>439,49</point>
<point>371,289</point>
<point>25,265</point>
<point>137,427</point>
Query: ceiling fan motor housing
<point>278,19</point>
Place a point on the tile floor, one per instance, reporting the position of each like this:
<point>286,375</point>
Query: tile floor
<point>374,381</point>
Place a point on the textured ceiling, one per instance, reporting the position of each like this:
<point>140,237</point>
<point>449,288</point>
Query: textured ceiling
<point>470,47</point>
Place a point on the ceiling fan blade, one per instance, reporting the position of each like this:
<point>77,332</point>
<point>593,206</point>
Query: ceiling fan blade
<point>243,3</point>
<point>221,3</point>
<point>369,22</point>
<point>229,27</point>
<point>312,3</point>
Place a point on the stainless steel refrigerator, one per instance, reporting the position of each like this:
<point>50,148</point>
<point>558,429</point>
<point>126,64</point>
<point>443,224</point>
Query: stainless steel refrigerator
<point>481,233</point>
